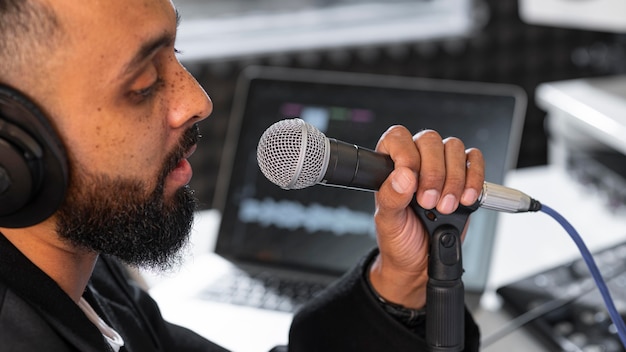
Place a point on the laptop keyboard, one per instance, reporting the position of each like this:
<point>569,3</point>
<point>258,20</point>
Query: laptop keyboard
<point>262,291</point>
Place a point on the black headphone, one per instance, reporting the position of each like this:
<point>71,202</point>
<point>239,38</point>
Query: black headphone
<point>33,162</point>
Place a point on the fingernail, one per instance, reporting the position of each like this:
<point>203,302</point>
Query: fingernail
<point>448,204</point>
<point>400,183</point>
<point>429,199</point>
<point>469,196</point>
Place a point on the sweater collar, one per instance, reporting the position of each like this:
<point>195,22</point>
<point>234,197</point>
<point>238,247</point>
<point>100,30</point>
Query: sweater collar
<point>43,294</point>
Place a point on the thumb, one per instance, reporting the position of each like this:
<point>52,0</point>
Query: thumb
<point>393,198</point>
<point>400,233</point>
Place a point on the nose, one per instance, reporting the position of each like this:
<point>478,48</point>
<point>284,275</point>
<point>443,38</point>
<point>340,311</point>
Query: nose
<point>189,102</point>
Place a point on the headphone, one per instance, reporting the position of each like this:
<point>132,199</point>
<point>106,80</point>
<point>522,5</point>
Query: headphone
<point>33,162</point>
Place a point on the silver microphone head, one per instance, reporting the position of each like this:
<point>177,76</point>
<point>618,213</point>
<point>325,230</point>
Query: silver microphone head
<point>293,154</point>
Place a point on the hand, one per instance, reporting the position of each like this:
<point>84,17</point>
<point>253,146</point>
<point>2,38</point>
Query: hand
<point>441,173</point>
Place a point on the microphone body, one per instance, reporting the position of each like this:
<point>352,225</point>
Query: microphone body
<point>347,165</point>
<point>355,167</point>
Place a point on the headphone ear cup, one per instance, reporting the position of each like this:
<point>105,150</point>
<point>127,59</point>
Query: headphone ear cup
<point>33,162</point>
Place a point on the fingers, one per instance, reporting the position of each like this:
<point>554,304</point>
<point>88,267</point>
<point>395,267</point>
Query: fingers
<point>432,173</point>
<point>456,162</point>
<point>474,176</point>
<point>440,171</point>
<point>444,178</point>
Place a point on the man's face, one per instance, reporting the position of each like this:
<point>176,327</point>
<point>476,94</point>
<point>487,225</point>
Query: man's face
<point>126,110</point>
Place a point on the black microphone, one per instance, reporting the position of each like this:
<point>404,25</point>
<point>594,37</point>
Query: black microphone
<point>293,154</point>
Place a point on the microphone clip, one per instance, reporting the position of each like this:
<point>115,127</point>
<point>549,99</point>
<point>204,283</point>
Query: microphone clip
<point>445,293</point>
<point>432,219</point>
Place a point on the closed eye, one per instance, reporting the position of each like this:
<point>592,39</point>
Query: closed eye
<point>141,95</point>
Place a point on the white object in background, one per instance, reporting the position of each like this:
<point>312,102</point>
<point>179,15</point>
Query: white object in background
<point>602,15</point>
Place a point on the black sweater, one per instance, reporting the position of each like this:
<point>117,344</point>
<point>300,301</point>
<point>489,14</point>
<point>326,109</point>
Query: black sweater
<point>36,315</point>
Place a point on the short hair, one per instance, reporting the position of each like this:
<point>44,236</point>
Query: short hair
<point>25,27</point>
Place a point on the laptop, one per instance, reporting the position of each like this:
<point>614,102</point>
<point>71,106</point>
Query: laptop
<point>296,242</point>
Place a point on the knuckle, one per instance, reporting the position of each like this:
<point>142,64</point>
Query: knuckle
<point>455,142</point>
<point>397,131</point>
<point>393,135</point>
<point>474,152</point>
<point>428,135</point>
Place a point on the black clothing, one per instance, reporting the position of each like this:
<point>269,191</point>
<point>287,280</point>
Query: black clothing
<point>347,317</point>
<point>36,315</point>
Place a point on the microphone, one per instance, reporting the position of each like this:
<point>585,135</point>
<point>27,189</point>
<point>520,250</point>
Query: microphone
<point>293,154</point>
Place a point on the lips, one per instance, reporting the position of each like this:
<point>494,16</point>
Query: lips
<point>182,173</point>
<point>178,172</point>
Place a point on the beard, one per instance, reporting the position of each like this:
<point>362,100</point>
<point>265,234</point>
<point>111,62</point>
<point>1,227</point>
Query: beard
<point>116,216</point>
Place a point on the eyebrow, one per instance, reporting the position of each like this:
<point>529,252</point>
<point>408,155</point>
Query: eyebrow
<point>150,47</point>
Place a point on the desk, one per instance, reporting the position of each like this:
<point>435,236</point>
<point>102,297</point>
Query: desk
<point>525,244</point>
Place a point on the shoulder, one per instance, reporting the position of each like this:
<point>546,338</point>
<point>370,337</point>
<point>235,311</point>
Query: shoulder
<point>23,328</point>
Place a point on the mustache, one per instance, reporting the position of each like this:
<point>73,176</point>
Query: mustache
<point>187,140</point>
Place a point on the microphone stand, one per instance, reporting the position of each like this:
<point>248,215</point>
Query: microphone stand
<point>445,293</point>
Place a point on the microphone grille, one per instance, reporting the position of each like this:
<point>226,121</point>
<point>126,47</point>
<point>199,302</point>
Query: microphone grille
<point>293,154</point>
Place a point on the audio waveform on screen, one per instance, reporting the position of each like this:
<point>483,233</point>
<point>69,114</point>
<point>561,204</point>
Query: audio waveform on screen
<point>290,215</point>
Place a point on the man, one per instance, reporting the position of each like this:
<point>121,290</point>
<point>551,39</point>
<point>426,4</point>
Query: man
<point>106,76</point>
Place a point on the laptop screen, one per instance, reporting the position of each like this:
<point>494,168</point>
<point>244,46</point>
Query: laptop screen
<point>327,229</point>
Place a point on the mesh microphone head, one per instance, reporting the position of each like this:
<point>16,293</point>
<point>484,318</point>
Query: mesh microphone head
<point>293,154</point>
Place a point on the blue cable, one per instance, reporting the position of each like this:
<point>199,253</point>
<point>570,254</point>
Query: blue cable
<point>593,268</point>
